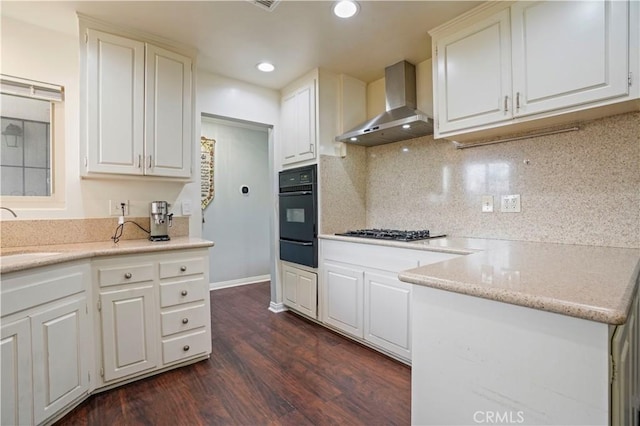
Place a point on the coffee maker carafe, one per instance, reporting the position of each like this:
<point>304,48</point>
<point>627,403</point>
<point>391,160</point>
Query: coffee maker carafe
<point>159,220</point>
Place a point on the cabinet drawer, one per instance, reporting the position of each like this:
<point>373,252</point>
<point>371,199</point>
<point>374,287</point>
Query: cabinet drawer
<point>179,268</point>
<point>182,292</point>
<point>125,274</point>
<point>182,347</point>
<point>183,319</point>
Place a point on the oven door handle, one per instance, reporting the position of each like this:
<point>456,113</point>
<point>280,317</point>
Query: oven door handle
<point>291,194</point>
<point>298,243</point>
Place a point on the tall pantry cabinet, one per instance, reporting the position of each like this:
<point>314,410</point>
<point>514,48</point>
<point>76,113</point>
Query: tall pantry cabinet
<point>138,98</point>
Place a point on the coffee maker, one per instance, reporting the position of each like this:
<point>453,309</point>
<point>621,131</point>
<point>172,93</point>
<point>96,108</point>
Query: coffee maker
<point>160,220</point>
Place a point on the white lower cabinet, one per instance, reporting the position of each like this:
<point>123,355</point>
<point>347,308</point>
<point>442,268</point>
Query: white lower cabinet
<point>344,287</point>
<point>300,290</point>
<point>153,312</point>
<point>128,331</point>
<point>17,401</point>
<point>362,297</point>
<point>46,344</point>
<point>387,313</point>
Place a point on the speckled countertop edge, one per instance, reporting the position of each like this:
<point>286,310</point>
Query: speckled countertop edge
<point>613,312</point>
<point>70,252</point>
<point>425,245</point>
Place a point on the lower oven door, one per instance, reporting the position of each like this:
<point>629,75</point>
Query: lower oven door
<point>300,252</point>
<point>297,216</point>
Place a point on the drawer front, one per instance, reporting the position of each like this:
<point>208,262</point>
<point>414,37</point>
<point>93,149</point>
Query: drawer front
<point>182,292</point>
<point>184,319</point>
<point>183,267</point>
<point>125,274</point>
<point>188,346</point>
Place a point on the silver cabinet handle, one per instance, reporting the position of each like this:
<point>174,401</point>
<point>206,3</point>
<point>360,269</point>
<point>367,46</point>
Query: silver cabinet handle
<point>186,348</point>
<point>149,162</point>
<point>185,320</point>
<point>506,103</point>
<point>183,268</point>
<point>184,292</point>
<point>139,161</point>
<point>517,101</point>
<point>128,275</point>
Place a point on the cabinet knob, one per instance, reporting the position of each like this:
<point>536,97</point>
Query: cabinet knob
<point>184,292</point>
<point>185,320</point>
<point>183,268</point>
<point>128,275</point>
<point>185,348</point>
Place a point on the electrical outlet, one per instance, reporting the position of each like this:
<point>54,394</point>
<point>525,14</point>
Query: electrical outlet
<point>115,208</point>
<point>487,203</point>
<point>510,203</point>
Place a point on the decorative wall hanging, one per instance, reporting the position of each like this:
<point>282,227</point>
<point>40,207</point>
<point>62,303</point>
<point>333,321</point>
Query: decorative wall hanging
<point>206,170</point>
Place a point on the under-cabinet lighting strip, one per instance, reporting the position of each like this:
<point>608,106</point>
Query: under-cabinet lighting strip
<point>459,145</point>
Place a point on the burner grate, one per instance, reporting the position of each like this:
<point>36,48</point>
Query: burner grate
<point>391,234</point>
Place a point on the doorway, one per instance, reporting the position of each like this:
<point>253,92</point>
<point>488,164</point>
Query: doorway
<point>238,218</point>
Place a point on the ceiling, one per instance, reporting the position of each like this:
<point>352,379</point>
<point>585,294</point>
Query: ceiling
<point>296,36</point>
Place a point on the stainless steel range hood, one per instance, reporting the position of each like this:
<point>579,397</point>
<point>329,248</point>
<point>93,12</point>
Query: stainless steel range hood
<point>401,120</point>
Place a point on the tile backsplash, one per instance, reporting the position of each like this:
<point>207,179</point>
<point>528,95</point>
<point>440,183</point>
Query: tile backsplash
<point>41,232</point>
<point>577,188</point>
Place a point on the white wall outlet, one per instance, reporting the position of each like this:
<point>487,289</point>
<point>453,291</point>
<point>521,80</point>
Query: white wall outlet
<point>487,203</point>
<point>186,208</point>
<point>115,208</point>
<point>510,203</point>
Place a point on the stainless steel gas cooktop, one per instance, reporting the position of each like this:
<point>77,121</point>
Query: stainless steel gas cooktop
<point>392,234</point>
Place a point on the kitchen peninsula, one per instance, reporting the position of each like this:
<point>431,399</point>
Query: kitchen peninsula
<point>529,332</point>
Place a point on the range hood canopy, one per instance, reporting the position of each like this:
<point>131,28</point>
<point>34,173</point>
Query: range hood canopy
<point>402,120</point>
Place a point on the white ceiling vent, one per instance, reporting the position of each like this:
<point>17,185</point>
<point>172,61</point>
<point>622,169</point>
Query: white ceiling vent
<point>266,4</point>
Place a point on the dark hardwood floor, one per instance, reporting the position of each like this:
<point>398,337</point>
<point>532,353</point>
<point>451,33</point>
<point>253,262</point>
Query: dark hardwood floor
<point>265,369</point>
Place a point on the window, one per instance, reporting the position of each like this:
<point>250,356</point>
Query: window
<point>28,140</point>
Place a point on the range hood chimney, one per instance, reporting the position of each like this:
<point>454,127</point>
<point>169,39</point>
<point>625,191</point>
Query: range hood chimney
<point>401,120</point>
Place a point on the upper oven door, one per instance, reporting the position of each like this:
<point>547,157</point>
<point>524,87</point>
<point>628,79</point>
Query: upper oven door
<point>297,216</point>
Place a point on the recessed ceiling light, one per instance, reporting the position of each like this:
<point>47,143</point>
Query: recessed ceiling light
<point>345,8</point>
<point>406,126</point>
<point>353,139</point>
<point>265,67</point>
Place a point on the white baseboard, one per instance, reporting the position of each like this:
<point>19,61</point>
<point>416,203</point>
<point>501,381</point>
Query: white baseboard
<point>242,281</point>
<point>277,307</point>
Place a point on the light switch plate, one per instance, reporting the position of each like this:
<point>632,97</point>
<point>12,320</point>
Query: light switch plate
<point>186,208</point>
<point>487,203</point>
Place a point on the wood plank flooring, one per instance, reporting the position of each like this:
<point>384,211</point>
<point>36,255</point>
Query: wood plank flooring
<point>265,369</point>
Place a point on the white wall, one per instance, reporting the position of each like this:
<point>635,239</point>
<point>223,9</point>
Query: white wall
<point>237,223</point>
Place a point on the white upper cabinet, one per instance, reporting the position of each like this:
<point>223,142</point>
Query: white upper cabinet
<point>299,123</point>
<point>568,53</point>
<point>139,108</point>
<point>474,74</point>
<point>115,73</point>
<point>515,62</point>
<point>315,109</point>
<point>168,113</point>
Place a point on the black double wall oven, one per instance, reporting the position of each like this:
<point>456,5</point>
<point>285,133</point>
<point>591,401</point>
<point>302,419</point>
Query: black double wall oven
<point>299,216</point>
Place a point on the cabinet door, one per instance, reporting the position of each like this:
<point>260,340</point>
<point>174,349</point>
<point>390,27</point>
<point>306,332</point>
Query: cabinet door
<point>567,53</point>
<point>343,295</point>
<point>16,373</point>
<point>300,290</point>
<point>299,124</point>
<point>473,82</point>
<point>128,332</point>
<point>624,388</point>
<point>115,85</point>
<point>387,313</point>
<point>60,356</point>
<point>168,113</point>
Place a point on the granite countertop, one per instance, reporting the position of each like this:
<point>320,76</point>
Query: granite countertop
<point>588,282</point>
<point>58,253</point>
